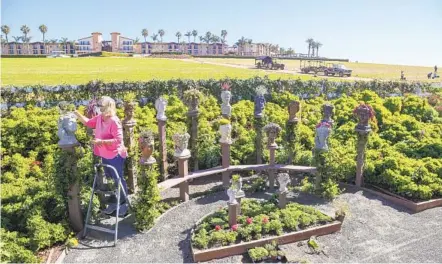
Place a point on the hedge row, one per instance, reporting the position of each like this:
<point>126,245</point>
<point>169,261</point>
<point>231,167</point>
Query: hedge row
<point>25,56</point>
<point>241,89</point>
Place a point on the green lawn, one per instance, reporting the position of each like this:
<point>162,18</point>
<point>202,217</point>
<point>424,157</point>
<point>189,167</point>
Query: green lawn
<point>361,70</point>
<point>49,71</point>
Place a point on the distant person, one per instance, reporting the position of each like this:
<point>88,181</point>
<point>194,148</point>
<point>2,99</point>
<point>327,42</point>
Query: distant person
<point>435,69</point>
<point>429,75</point>
<point>402,75</point>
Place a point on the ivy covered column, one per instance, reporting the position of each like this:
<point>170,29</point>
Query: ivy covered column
<point>323,130</point>
<point>258,114</point>
<point>292,127</point>
<point>192,97</point>
<point>272,130</point>
<point>364,113</point>
<point>225,129</point>
<point>160,105</point>
<point>148,196</point>
<point>67,181</point>
<point>128,133</point>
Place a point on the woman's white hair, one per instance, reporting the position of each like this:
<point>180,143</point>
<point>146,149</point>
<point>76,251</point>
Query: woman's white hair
<point>108,106</point>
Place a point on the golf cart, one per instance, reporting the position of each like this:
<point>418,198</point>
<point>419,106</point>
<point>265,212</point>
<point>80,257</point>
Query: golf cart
<point>314,66</point>
<point>266,62</point>
<point>337,69</point>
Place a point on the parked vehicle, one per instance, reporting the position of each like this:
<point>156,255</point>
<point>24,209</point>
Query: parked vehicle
<point>267,62</point>
<point>337,69</point>
<point>314,66</point>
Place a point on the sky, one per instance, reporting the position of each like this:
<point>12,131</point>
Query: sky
<point>407,32</point>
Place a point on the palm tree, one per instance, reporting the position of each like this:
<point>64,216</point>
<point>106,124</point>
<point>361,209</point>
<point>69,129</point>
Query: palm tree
<point>208,37</point>
<point>25,29</point>
<point>241,42</point>
<point>161,32</point>
<point>313,48</point>
<point>318,45</point>
<point>6,30</point>
<point>188,34</point>
<point>201,39</point>
<point>194,34</point>
<point>154,37</point>
<point>64,41</point>
<point>178,35</point>
<point>214,39</point>
<point>17,38</point>
<point>309,41</point>
<point>144,33</point>
<point>290,51</point>
<point>223,35</point>
<point>43,29</point>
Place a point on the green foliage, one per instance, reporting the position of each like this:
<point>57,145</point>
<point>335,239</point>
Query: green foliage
<point>147,202</point>
<point>258,253</point>
<point>258,219</point>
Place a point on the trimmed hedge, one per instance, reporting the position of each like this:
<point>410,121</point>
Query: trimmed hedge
<point>241,89</point>
<point>25,56</point>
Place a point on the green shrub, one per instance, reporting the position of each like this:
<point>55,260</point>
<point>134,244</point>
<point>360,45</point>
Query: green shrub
<point>258,253</point>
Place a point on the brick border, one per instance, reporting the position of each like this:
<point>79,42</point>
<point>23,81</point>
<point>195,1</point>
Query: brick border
<point>221,252</point>
<point>412,206</point>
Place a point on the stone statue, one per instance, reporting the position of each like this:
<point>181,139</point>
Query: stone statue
<point>294,109</point>
<point>129,112</point>
<point>226,108</point>
<point>192,98</point>
<point>260,102</point>
<point>364,113</point>
<point>327,113</point>
<point>226,134</point>
<point>67,125</point>
<point>323,130</point>
<point>160,105</point>
<point>146,143</point>
<point>232,196</point>
<point>283,180</point>
<point>272,130</point>
<point>181,142</point>
<point>237,186</point>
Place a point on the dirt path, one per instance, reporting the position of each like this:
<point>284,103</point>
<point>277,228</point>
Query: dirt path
<point>294,71</point>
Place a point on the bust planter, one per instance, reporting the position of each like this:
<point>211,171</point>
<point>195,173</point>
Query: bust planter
<point>226,108</point>
<point>272,130</point>
<point>181,142</point>
<point>146,143</point>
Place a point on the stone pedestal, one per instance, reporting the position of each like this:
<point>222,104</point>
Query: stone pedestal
<point>225,151</point>
<point>74,201</point>
<point>233,213</point>
<point>282,199</point>
<point>360,159</point>
<point>129,142</point>
<point>258,140</point>
<point>193,116</point>
<point>183,170</point>
<point>163,148</point>
<point>291,127</point>
<point>271,171</point>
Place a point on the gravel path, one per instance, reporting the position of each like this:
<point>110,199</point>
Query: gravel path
<point>374,232</point>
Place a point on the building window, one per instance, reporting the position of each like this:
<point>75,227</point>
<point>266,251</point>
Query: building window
<point>35,51</point>
<point>11,51</point>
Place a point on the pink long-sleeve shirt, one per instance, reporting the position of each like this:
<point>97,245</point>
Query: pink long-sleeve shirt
<point>110,129</point>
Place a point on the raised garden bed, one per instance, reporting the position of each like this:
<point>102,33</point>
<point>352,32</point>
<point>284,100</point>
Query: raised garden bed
<point>260,223</point>
<point>413,206</point>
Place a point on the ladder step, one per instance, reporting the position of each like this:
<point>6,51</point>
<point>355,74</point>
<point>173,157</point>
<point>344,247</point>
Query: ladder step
<point>105,192</point>
<point>102,229</point>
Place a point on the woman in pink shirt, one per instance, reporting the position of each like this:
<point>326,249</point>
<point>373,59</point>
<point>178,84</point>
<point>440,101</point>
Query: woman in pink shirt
<point>108,143</point>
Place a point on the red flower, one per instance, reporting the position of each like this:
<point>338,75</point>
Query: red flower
<point>217,228</point>
<point>234,227</point>
<point>265,220</point>
<point>225,87</point>
<point>249,220</point>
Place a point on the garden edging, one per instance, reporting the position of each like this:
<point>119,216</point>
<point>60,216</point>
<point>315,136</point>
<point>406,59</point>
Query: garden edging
<point>221,252</point>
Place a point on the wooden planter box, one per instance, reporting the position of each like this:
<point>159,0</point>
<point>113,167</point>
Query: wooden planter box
<point>396,199</point>
<point>236,249</point>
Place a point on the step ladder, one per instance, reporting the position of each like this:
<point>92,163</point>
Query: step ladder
<point>95,191</point>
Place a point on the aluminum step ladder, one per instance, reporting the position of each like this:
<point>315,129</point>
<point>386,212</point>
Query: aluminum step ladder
<point>94,191</point>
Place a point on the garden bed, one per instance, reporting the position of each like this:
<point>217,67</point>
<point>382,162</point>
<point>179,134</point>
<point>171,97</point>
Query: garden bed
<point>260,223</point>
<point>413,206</point>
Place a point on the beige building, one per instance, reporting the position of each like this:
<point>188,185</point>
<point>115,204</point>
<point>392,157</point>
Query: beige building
<point>36,48</point>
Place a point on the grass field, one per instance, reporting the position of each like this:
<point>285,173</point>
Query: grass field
<point>362,70</point>
<point>81,70</point>
<point>16,71</point>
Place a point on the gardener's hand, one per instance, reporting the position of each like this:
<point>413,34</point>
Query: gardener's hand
<point>98,142</point>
